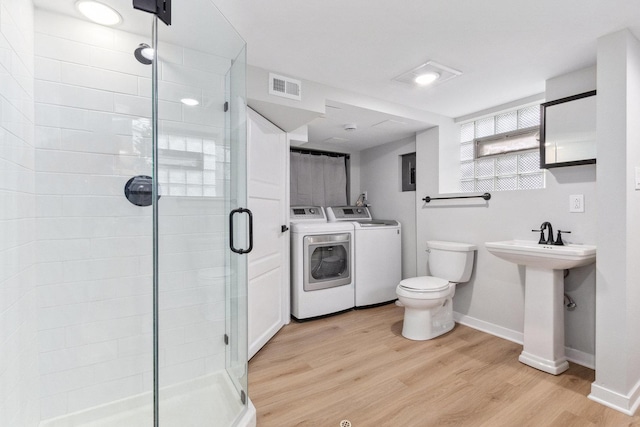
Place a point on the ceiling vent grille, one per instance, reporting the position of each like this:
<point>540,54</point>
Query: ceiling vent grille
<point>285,87</point>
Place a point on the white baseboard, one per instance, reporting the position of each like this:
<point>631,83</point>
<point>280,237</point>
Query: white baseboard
<point>580,357</point>
<point>573,355</point>
<point>627,404</point>
<point>490,328</point>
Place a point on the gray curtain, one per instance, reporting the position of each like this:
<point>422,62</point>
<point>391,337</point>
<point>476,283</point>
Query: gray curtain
<point>318,180</point>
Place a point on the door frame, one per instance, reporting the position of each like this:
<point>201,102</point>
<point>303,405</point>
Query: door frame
<point>285,314</point>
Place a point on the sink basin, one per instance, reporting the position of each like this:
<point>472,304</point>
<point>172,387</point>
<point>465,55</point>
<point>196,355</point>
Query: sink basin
<point>532,254</point>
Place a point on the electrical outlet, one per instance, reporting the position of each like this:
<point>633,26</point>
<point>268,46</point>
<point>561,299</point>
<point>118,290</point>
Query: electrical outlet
<point>365,195</point>
<point>576,203</point>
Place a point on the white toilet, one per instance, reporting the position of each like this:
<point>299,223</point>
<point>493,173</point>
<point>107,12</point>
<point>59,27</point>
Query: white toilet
<point>428,300</point>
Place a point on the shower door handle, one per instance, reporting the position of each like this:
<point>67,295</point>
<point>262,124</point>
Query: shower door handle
<point>231,228</point>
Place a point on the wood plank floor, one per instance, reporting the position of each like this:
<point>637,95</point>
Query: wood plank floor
<point>357,366</point>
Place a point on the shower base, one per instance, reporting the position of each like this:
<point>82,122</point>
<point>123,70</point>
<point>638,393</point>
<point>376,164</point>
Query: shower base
<point>209,400</point>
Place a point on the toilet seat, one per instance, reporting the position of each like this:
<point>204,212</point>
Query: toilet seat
<point>425,284</point>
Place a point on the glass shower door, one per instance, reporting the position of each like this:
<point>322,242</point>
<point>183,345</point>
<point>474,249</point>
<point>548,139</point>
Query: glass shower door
<point>202,340</point>
<point>237,304</point>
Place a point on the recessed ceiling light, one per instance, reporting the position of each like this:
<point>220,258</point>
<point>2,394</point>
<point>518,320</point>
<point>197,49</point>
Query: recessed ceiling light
<point>429,74</point>
<point>98,12</point>
<point>190,102</point>
<point>427,78</point>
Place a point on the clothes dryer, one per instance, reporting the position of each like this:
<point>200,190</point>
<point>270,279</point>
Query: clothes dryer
<point>378,260</point>
<point>322,264</point>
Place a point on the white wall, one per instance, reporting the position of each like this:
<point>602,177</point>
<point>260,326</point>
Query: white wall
<point>95,265</point>
<point>380,176</point>
<point>448,159</point>
<point>494,297</point>
<point>617,335</point>
<point>19,405</point>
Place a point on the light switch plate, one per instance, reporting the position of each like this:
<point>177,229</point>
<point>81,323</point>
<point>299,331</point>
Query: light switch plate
<point>576,203</point>
<point>637,177</point>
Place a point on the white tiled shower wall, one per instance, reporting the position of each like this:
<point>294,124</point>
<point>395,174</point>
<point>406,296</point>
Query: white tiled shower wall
<point>94,284</point>
<point>94,247</point>
<point>18,306</point>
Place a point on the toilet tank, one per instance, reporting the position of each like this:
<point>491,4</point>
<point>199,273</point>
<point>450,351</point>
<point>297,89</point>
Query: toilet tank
<point>451,261</point>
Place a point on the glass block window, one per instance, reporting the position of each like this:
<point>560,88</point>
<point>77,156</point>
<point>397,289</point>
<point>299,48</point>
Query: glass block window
<point>483,185</point>
<point>506,165</point>
<point>506,183</point>
<point>531,181</point>
<point>466,152</point>
<point>506,162</point>
<point>485,127</point>
<point>485,167</point>
<point>507,122</point>
<point>467,132</point>
<point>192,166</point>
<point>508,142</point>
<point>529,162</point>
<point>467,171</point>
<point>528,117</point>
<point>467,186</point>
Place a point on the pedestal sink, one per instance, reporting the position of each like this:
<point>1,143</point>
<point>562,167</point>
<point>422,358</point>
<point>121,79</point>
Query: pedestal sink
<point>544,296</point>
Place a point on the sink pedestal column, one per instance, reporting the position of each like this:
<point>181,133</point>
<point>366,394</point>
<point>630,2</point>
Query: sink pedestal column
<point>544,320</point>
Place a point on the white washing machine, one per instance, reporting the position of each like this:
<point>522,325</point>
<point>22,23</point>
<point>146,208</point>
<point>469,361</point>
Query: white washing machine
<point>378,259</point>
<point>322,264</point>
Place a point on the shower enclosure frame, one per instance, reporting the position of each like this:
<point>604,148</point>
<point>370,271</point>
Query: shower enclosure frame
<point>127,306</point>
<point>235,195</point>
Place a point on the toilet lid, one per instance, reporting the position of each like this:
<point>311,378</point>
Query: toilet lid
<point>425,284</point>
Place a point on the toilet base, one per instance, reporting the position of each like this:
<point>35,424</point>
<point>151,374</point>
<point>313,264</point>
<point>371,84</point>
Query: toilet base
<point>425,324</point>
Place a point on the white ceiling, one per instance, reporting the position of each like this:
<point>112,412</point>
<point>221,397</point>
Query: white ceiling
<point>506,49</point>
<point>373,128</point>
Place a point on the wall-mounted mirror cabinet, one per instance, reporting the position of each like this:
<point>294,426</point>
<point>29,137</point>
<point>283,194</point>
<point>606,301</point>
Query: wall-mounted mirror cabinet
<point>568,131</point>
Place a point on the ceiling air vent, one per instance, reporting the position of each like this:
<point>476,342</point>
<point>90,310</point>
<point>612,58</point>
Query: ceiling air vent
<point>285,87</point>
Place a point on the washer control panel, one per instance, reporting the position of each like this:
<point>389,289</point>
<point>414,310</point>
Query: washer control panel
<point>348,213</point>
<point>306,213</point>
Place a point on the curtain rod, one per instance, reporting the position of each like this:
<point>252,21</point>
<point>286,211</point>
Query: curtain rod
<point>319,152</point>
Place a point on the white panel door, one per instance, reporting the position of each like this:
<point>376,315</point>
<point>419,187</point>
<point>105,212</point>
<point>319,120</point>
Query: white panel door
<point>268,270</point>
